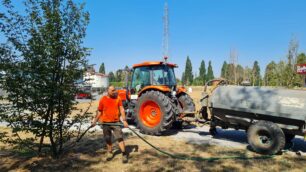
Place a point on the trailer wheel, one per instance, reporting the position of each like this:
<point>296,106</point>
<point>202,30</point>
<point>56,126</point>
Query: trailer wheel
<point>266,137</point>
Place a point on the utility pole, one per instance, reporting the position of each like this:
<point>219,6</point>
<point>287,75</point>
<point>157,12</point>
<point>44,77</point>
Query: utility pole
<point>166,32</point>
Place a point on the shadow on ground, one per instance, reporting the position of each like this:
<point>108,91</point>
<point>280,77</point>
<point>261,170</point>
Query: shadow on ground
<point>89,155</point>
<point>240,136</point>
<point>91,150</point>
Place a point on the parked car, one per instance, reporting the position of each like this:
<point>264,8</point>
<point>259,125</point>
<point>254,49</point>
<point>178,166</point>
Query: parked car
<point>84,93</point>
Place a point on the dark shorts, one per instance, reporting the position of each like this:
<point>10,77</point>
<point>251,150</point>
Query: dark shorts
<point>108,130</point>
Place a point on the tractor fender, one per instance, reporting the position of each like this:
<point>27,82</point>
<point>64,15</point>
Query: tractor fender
<point>155,87</point>
<point>181,90</point>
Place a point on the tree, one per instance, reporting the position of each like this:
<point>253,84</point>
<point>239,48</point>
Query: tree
<point>42,57</point>
<point>202,74</point>
<point>247,74</point>
<point>224,70</point>
<point>188,76</point>
<point>291,76</point>
<point>301,58</point>
<point>256,74</point>
<point>102,68</point>
<point>125,74</point>
<point>281,73</point>
<point>292,52</point>
<point>210,73</point>
<point>119,75</point>
<point>239,74</point>
<point>111,77</point>
<point>230,73</point>
<point>270,77</point>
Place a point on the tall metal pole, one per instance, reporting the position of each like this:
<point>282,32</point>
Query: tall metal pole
<point>166,31</point>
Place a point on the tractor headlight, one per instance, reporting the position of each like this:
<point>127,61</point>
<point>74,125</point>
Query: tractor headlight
<point>173,93</point>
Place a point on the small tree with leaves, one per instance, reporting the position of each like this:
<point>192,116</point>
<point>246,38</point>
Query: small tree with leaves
<point>102,68</point>
<point>111,77</point>
<point>202,74</point>
<point>256,78</point>
<point>42,57</point>
<point>224,70</point>
<point>239,74</point>
<point>270,78</point>
<point>188,75</point>
<point>210,72</point>
<point>290,74</point>
<point>231,73</point>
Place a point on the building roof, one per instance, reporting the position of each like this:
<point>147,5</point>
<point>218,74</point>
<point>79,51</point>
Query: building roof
<point>96,73</point>
<point>101,74</point>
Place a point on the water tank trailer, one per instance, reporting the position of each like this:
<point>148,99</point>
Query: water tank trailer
<point>271,116</point>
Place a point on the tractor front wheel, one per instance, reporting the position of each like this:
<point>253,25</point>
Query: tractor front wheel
<point>154,113</point>
<point>186,103</point>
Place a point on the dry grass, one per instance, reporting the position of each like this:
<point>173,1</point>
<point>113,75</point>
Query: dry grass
<point>196,95</point>
<point>82,107</point>
<point>89,155</point>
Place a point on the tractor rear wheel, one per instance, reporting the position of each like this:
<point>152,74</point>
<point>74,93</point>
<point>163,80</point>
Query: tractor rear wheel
<point>154,113</point>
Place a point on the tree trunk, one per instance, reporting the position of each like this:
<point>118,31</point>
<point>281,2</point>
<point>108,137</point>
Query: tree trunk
<point>43,133</point>
<point>53,144</point>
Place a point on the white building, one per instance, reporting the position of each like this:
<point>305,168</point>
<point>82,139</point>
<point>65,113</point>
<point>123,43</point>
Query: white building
<point>96,80</point>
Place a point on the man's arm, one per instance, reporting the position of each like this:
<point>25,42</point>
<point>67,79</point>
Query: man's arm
<point>98,113</point>
<point>95,119</point>
<point>123,117</point>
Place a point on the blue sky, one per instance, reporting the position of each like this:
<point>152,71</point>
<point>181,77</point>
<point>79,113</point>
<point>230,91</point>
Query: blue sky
<point>124,32</point>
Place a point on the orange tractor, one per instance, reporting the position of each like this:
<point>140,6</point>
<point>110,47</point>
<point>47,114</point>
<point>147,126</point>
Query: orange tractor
<point>153,100</point>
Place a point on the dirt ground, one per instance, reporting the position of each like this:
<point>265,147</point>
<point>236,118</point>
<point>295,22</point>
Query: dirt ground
<point>89,155</point>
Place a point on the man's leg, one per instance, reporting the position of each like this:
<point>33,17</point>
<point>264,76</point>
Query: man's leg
<point>107,132</point>
<point>121,145</point>
<point>109,146</point>
<point>119,136</point>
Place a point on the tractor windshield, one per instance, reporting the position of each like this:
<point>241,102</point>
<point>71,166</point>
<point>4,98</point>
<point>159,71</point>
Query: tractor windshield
<point>152,75</point>
<point>163,75</point>
<point>141,78</point>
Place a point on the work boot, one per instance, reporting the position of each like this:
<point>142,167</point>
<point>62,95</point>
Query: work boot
<point>109,156</point>
<point>125,158</point>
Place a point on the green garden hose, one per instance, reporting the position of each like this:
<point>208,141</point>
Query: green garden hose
<point>183,157</point>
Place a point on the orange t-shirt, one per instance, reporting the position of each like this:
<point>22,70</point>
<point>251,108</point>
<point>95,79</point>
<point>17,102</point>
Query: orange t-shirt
<point>109,108</point>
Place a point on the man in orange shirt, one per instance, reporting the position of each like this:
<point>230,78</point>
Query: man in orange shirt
<point>110,108</point>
